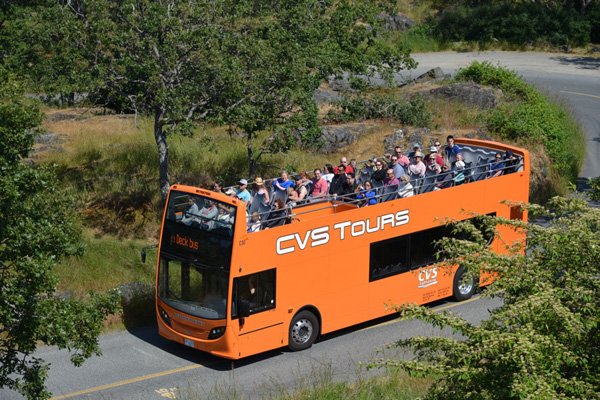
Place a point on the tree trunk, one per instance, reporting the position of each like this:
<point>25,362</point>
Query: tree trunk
<point>251,160</point>
<point>163,154</point>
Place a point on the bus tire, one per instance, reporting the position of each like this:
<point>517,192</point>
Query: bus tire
<point>304,329</point>
<point>461,289</point>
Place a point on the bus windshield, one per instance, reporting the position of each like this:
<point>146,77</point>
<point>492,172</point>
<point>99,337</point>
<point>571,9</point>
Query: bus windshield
<point>193,289</point>
<point>195,256</point>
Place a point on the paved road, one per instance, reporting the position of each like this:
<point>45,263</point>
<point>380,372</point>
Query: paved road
<point>141,365</point>
<point>575,79</point>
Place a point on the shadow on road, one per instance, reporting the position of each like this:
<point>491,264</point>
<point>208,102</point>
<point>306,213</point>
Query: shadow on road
<point>591,63</point>
<point>149,334</point>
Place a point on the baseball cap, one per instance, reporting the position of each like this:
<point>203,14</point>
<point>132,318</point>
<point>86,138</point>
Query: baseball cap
<point>243,182</point>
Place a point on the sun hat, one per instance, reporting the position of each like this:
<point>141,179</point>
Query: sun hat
<point>418,154</point>
<point>258,181</point>
<point>433,149</point>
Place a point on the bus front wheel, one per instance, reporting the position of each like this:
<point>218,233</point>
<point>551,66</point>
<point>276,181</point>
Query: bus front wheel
<point>463,288</point>
<point>304,329</point>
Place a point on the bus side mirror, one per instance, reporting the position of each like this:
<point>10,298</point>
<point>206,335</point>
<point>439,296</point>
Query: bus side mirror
<point>143,252</point>
<point>244,308</point>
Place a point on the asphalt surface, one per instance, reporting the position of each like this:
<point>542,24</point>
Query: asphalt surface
<point>142,365</point>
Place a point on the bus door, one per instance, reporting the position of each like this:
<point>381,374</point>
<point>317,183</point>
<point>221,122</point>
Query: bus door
<point>255,317</point>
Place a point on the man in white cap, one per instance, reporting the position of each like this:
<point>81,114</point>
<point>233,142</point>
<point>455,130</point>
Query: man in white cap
<point>434,156</point>
<point>243,193</point>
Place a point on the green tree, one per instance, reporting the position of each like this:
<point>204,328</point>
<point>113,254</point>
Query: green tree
<point>36,230</point>
<point>250,64</point>
<point>544,341</point>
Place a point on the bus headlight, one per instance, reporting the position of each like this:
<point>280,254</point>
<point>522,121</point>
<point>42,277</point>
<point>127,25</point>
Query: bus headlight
<point>216,333</point>
<point>164,316</point>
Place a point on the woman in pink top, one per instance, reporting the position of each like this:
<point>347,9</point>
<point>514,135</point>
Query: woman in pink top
<point>417,167</point>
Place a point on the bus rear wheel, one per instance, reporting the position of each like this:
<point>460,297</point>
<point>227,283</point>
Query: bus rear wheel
<point>304,329</point>
<point>463,288</point>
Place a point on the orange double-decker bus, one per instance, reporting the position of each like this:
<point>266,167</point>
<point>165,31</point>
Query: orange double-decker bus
<point>231,293</point>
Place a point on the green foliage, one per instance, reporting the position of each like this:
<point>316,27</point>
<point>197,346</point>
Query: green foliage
<point>361,107</point>
<point>595,192</point>
<point>543,341</point>
<point>512,22</point>
<point>37,229</point>
<point>530,117</point>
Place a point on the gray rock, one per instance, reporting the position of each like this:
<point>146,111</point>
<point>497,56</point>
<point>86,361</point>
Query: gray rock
<point>325,96</point>
<point>391,141</point>
<point>334,138</point>
<point>48,138</point>
<point>469,93</point>
<point>48,147</point>
<point>396,22</point>
<point>418,136</point>
<point>433,75</point>
<point>62,117</point>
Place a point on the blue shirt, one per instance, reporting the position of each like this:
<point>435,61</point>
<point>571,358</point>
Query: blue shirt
<point>287,184</point>
<point>243,195</point>
<point>454,150</point>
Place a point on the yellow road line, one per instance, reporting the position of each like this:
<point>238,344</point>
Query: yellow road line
<point>121,383</point>
<point>580,94</point>
<point>190,367</point>
<point>436,310</point>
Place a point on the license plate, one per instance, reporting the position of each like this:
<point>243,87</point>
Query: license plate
<point>189,342</point>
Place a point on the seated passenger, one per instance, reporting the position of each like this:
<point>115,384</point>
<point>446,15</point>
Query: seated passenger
<point>260,190</point>
<point>497,166</point>
<point>352,184</point>
<point>242,192</point>
<point>299,193</point>
<point>347,167</point>
<point>283,183</point>
<point>511,161</point>
<point>277,216</point>
<point>434,156</point>
<point>416,149</point>
<point>379,175</point>
<point>190,215</point>
<point>319,185</point>
<point>208,215</point>
<point>218,186</point>
<point>391,178</point>
<point>329,173</point>
<point>445,179</point>
<point>226,217</point>
<point>459,170</point>
<point>339,184</point>
<point>367,193</point>
<point>405,188</point>
<point>254,223</point>
<point>417,168</point>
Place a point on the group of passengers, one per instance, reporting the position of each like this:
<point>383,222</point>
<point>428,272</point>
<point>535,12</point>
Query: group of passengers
<point>397,172</point>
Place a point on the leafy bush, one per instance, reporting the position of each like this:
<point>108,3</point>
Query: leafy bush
<point>530,117</point>
<point>360,108</point>
<point>512,23</point>
<point>542,342</point>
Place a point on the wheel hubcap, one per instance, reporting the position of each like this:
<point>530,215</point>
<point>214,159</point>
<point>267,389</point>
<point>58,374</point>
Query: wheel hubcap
<point>302,331</point>
<point>465,287</point>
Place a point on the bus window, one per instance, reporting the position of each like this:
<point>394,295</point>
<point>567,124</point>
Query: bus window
<point>258,290</point>
<point>193,289</point>
<point>388,257</point>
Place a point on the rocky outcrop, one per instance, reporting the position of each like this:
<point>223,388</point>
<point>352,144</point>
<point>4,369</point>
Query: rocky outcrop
<point>325,96</point>
<point>334,138</point>
<point>469,93</point>
<point>396,22</point>
<point>433,75</point>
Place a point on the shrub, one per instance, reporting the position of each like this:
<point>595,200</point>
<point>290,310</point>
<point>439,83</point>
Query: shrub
<point>360,108</point>
<point>512,23</point>
<point>530,117</point>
